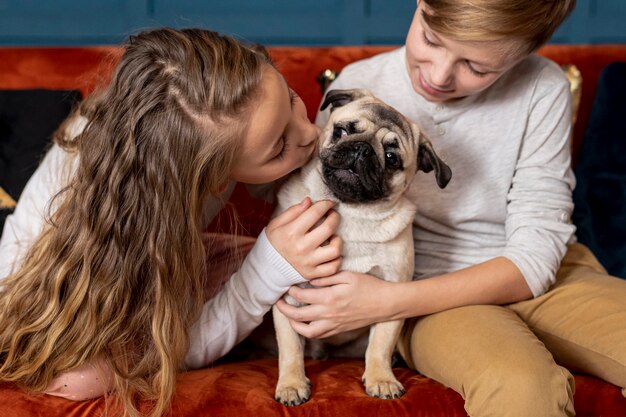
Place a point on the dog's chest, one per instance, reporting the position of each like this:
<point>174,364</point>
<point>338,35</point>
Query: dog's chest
<point>391,260</point>
<point>365,257</point>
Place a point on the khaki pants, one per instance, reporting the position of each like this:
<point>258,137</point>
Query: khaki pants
<point>514,360</point>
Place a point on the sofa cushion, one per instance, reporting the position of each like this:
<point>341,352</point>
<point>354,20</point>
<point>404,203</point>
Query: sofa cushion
<point>247,389</point>
<point>27,120</point>
<point>600,194</point>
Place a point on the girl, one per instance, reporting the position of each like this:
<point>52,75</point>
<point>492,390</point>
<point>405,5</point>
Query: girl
<point>103,265</point>
<point>510,296</point>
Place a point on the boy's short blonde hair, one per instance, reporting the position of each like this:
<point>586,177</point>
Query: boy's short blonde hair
<point>531,21</point>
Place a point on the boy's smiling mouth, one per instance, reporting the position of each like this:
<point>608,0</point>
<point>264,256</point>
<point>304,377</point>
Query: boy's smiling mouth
<point>434,91</point>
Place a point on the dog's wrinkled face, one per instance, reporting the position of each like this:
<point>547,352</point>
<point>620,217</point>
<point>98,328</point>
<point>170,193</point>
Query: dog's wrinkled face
<point>369,151</point>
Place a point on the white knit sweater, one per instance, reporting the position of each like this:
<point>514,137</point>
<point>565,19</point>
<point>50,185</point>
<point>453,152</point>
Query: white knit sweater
<point>226,319</point>
<point>508,148</point>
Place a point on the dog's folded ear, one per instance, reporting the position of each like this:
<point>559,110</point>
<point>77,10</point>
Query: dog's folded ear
<point>427,160</point>
<point>338,98</point>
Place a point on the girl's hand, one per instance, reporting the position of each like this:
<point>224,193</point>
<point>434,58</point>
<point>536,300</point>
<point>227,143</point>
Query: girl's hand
<point>294,234</point>
<point>345,301</point>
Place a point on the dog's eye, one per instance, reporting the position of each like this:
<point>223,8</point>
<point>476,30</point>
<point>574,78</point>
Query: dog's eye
<point>392,161</point>
<point>339,132</point>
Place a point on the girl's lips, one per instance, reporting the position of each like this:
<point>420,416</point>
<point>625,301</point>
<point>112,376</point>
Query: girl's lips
<point>430,89</point>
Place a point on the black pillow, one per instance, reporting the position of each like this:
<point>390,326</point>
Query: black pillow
<point>27,120</point>
<point>600,194</point>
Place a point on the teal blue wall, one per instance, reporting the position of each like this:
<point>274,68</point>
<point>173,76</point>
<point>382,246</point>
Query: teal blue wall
<point>272,22</point>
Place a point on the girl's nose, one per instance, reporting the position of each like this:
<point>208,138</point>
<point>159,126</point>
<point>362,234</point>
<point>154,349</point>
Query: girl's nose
<point>311,135</point>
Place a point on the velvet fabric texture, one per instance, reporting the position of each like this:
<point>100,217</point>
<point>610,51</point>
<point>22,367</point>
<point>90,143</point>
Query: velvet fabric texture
<point>600,194</point>
<point>247,388</point>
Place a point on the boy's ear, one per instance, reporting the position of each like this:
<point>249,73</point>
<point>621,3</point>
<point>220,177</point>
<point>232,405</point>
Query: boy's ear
<point>338,98</point>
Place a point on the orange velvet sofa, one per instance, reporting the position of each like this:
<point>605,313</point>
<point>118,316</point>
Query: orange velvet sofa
<point>247,387</point>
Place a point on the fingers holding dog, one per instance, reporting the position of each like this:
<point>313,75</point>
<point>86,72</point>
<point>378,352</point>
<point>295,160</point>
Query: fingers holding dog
<point>305,237</point>
<point>307,220</point>
<point>324,231</point>
<point>289,215</point>
<point>344,303</point>
<point>327,257</point>
<point>313,330</point>
<point>298,314</point>
<point>326,269</point>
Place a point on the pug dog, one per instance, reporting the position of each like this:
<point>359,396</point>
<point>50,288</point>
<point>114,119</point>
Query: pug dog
<point>368,155</point>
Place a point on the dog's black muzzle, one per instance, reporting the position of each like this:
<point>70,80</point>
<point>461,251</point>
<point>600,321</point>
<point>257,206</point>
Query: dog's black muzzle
<point>352,172</point>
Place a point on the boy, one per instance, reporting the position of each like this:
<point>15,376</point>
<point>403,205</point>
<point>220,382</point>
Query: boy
<point>510,296</point>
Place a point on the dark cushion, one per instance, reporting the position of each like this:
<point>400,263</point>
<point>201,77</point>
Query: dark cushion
<point>600,194</point>
<point>27,120</point>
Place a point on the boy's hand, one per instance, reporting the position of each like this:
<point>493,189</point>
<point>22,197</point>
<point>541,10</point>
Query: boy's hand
<point>340,303</point>
<point>294,234</point>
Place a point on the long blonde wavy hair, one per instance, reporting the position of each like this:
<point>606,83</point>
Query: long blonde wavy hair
<point>117,273</point>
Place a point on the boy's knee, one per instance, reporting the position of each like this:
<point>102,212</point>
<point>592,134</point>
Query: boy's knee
<point>519,390</point>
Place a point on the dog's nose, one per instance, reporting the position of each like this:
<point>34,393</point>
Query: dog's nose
<point>347,154</point>
<point>360,150</point>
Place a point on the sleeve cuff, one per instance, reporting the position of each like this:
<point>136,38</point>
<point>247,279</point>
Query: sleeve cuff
<point>264,251</point>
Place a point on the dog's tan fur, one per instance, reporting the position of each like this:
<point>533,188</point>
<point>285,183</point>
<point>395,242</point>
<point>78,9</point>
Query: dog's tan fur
<point>377,240</point>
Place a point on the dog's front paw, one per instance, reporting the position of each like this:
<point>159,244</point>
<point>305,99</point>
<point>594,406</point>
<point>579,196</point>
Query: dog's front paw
<point>294,392</point>
<point>383,387</point>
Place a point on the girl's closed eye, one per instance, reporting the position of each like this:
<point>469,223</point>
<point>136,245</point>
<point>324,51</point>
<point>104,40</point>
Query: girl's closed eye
<point>283,150</point>
<point>293,96</point>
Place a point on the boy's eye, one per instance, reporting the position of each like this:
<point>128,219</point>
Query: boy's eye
<point>427,41</point>
<point>473,71</point>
